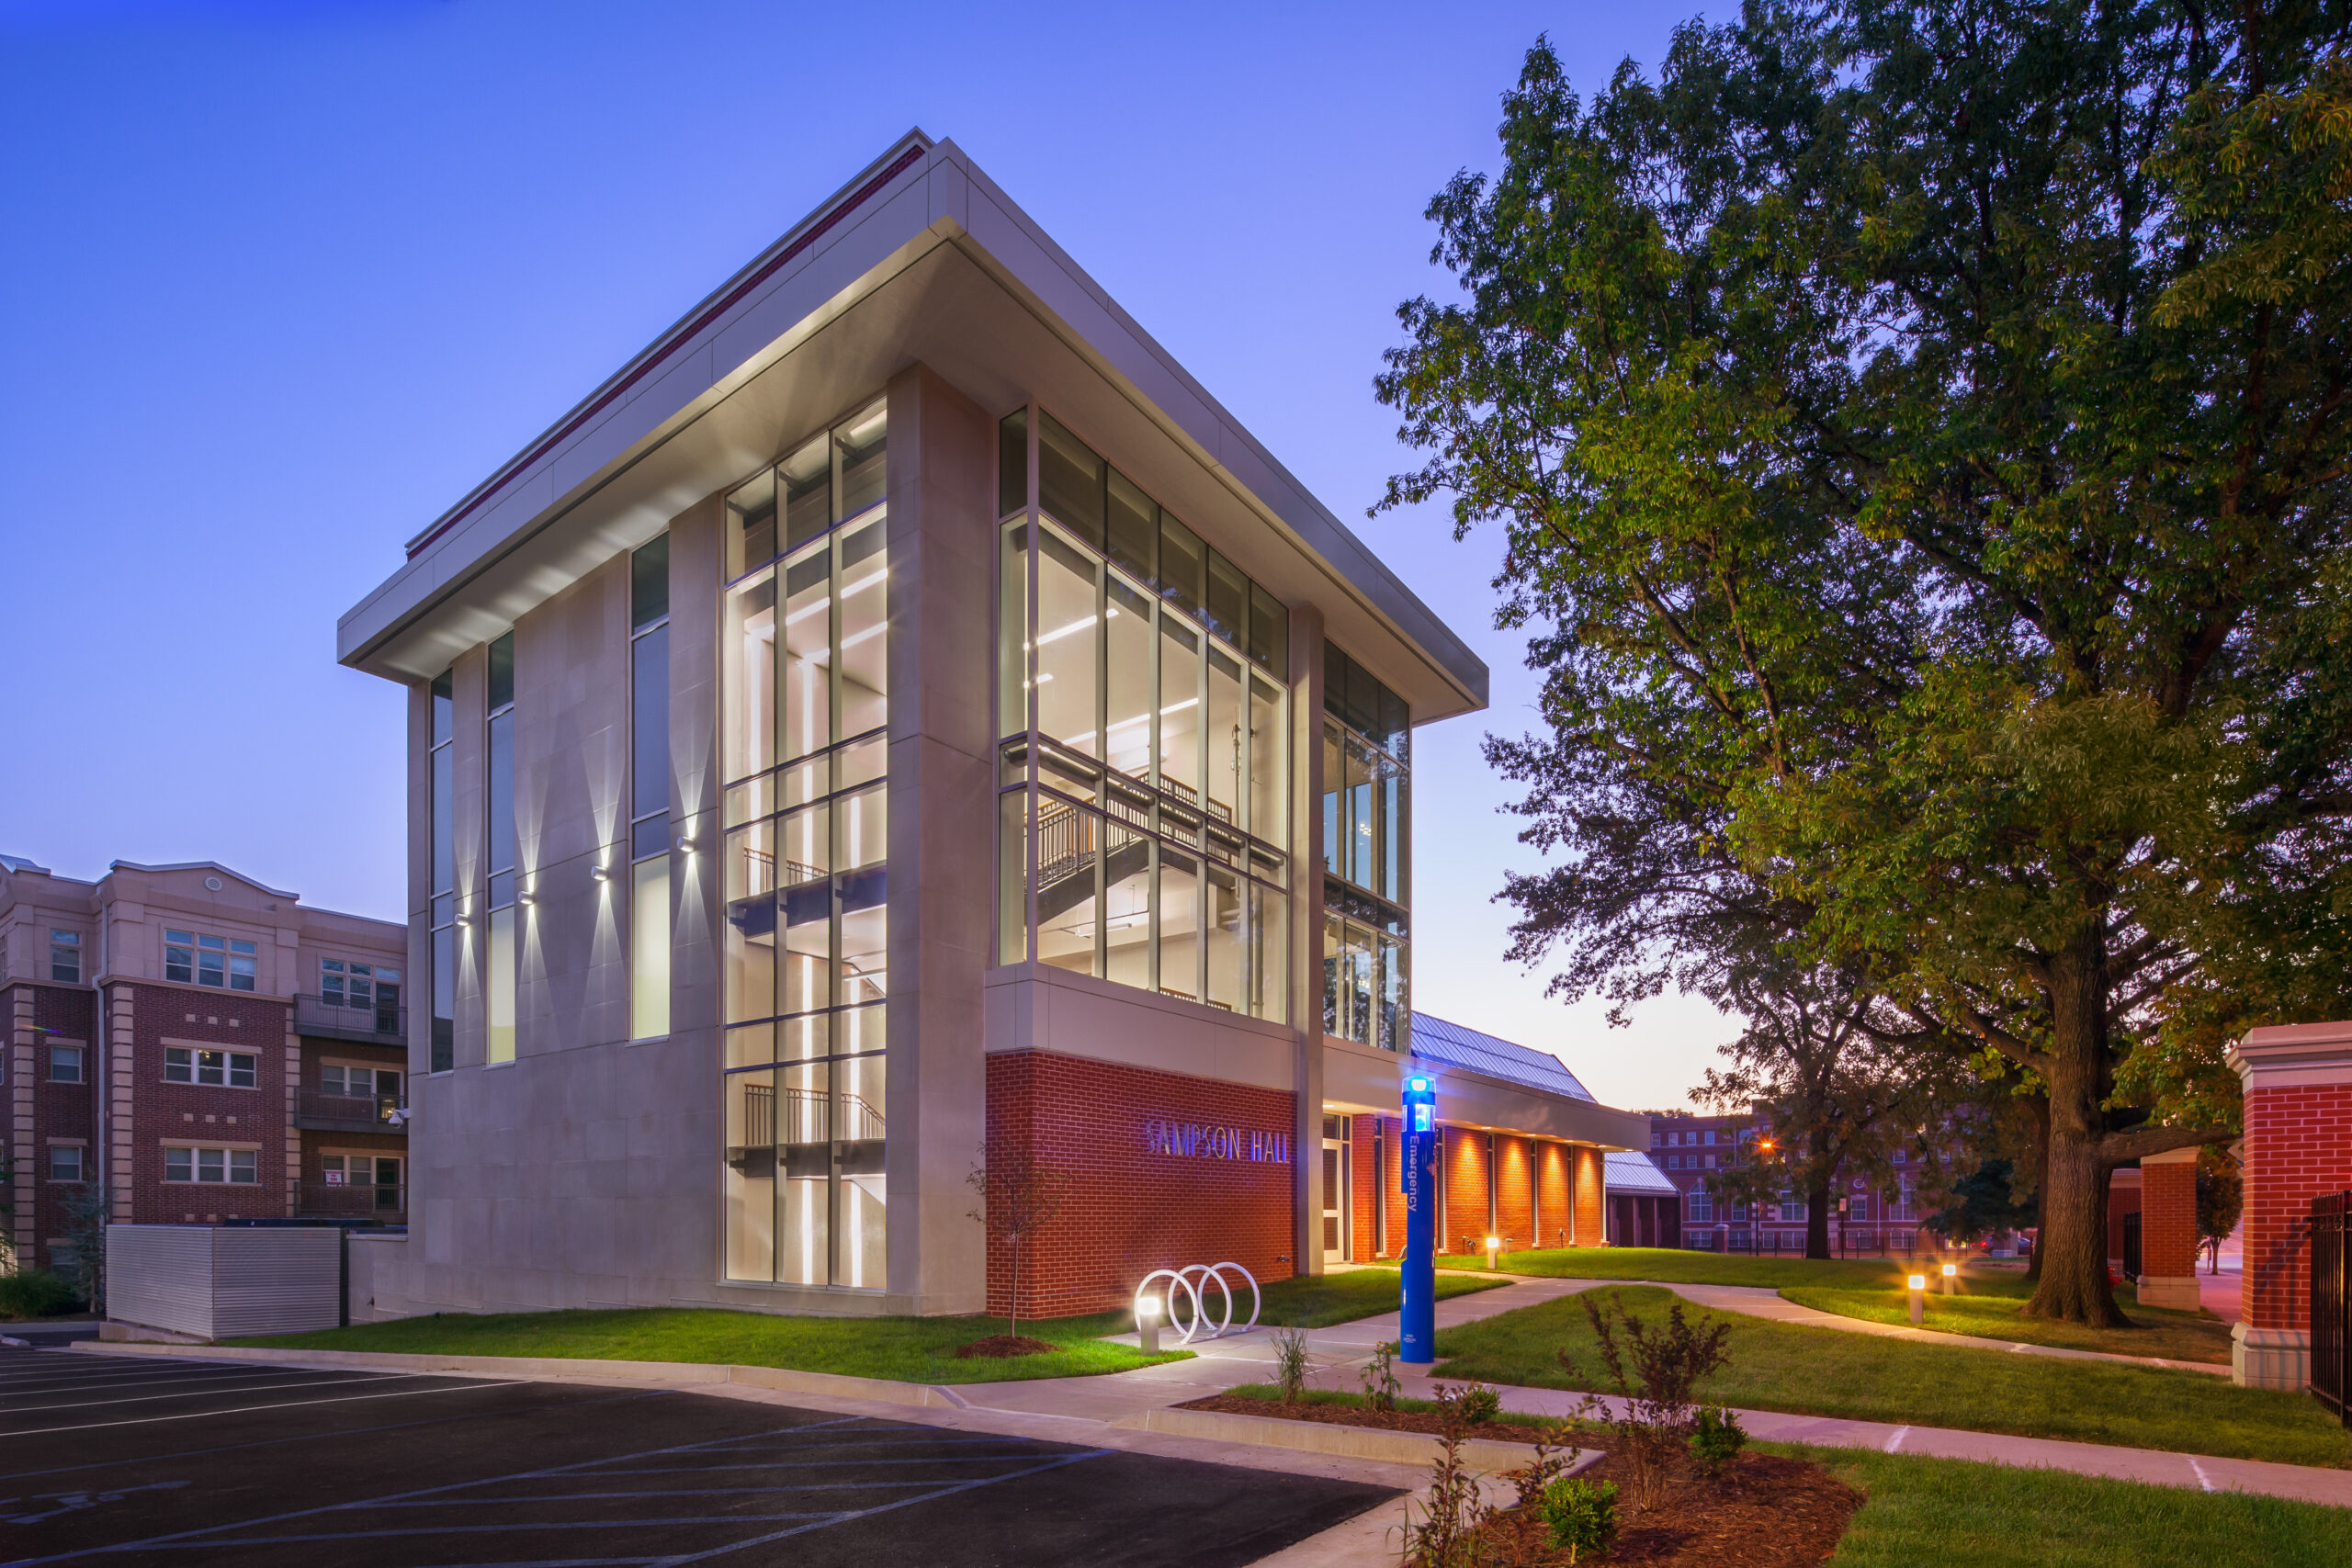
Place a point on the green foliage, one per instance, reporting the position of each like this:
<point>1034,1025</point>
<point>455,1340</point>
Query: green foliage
<point>2220,1199</point>
<point>1290,1362</point>
<point>35,1292</point>
<point>1716,1437</point>
<point>1580,1515</point>
<point>1983,1204</point>
<point>1474,1405</point>
<point>1920,443</point>
<point>1381,1385</point>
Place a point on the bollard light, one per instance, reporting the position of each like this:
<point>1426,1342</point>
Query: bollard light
<point>1952,1272</point>
<point>1148,1325</point>
<point>1918,1299</point>
<point>1494,1246</point>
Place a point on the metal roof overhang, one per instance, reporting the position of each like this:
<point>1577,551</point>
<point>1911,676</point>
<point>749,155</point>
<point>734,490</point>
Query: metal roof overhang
<point>1359,1079</point>
<point>922,259</point>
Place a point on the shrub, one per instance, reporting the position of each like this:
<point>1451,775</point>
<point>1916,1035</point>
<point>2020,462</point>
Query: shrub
<point>1581,1515</point>
<point>1479,1404</point>
<point>34,1292</point>
<point>1717,1438</point>
<point>1380,1385</point>
<point>1655,1372</point>
<point>1290,1362</point>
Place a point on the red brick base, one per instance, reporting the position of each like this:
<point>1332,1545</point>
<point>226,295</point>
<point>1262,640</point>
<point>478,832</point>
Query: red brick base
<point>1132,1209</point>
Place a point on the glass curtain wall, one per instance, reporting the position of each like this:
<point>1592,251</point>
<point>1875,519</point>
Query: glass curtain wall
<point>1367,853</point>
<point>444,1046</point>
<point>650,842</point>
<point>498,981</point>
<point>805,684</point>
<point>1144,823</point>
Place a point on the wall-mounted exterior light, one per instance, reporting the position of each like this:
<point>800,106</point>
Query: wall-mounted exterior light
<point>600,874</point>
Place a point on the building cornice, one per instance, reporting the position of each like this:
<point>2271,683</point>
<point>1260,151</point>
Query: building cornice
<point>2293,1055</point>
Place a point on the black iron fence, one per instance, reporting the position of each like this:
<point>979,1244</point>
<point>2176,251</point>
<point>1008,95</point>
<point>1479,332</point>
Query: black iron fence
<point>2331,1301</point>
<point>380,1203</point>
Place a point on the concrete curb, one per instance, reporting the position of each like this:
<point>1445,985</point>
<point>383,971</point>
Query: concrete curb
<point>664,1374</point>
<point>1330,1437</point>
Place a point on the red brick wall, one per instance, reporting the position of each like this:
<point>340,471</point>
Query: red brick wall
<point>1552,1163</point>
<point>1462,1166</point>
<point>1131,1210</point>
<point>2298,1146</point>
<point>1364,1188</point>
<point>201,1113</point>
<point>1590,1226</point>
<point>2169,1219</point>
<point>1392,1184</point>
<point>60,1110</point>
<point>1514,1192</point>
<point>2122,1198</point>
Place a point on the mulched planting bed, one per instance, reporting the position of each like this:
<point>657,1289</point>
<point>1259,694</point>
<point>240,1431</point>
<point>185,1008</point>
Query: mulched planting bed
<point>1428,1421</point>
<point>1005,1345</point>
<point>1762,1512</point>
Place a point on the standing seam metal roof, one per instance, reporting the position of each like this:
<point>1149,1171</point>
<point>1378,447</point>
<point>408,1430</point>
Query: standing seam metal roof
<point>1454,1046</point>
<point>1630,1170</point>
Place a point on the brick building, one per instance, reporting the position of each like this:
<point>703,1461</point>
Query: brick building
<point>898,721</point>
<point>1689,1150</point>
<point>246,1050</point>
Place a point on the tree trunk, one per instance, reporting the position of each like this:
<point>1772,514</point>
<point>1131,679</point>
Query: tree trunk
<point>2073,1248</point>
<point>2038,1109</point>
<point>1816,1221</point>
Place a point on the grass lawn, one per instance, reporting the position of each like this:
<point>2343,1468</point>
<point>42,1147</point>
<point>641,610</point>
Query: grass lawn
<point>910,1350</point>
<point>1989,1308</point>
<point>1674,1266</point>
<point>1822,1371</point>
<point>1992,1515</point>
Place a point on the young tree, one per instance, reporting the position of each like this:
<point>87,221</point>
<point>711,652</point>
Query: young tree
<point>1983,1204</point>
<point>1835,1098</point>
<point>1018,1198</point>
<point>2220,1199</point>
<point>1924,431</point>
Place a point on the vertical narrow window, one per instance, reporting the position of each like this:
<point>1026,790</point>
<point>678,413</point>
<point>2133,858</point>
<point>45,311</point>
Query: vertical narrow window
<point>66,958</point>
<point>444,1043</point>
<point>649,841</point>
<point>498,835</point>
<point>1367,849</point>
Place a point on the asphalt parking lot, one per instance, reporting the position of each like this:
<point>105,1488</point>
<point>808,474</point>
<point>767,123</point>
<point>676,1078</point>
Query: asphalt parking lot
<point>137,1461</point>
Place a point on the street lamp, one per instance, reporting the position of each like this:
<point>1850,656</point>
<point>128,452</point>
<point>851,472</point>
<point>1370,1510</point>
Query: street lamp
<point>1494,1246</point>
<point>1148,1325</point>
<point>1952,1272</point>
<point>1918,1299</point>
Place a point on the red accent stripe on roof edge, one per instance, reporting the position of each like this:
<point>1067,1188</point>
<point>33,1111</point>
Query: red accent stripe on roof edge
<point>734,297</point>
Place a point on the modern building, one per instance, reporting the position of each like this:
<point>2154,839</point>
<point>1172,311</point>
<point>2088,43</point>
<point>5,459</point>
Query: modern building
<point>901,723</point>
<point>1645,1207</point>
<point>1692,1151</point>
<point>202,1046</point>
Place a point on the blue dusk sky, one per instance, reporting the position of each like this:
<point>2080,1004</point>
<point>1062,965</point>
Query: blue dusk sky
<point>280,281</point>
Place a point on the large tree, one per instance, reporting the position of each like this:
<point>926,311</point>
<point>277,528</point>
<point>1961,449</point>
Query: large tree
<point>1920,436</point>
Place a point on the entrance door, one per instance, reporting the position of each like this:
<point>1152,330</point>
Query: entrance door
<point>1336,1236</point>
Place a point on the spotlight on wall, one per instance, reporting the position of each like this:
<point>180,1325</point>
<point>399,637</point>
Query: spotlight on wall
<point>600,874</point>
<point>686,844</point>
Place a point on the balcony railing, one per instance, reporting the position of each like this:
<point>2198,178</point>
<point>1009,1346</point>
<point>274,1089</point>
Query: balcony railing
<point>351,1112</point>
<point>338,1201</point>
<point>379,1025</point>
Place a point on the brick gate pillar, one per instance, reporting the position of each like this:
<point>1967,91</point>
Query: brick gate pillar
<point>2298,1081</point>
<point>2168,1230</point>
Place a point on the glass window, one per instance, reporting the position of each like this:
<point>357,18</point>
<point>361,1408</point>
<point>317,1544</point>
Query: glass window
<point>1126,631</point>
<point>499,1002</point>
<point>1226,738</point>
<point>649,723</point>
<point>65,1063</point>
<point>750,525</point>
<point>1269,815</point>
<point>650,949</point>
<point>1179,709</point>
<point>1179,925</point>
<point>444,909</point>
<point>1133,529</point>
<point>1184,566</point>
<point>203,959</point>
<point>502,672</point>
<point>1069,646</point>
<point>1013,463</point>
<point>649,598</point>
<point>66,958</point>
<point>861,443</point>
<point>65,1162</point>
<point>864,597</point>
<point>1227,606</point>
<point>1127,879</point>
<point>1069,481</point>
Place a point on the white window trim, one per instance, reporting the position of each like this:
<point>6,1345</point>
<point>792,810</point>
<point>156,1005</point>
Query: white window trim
<point>163,1148</point>
<point>170,1044</point>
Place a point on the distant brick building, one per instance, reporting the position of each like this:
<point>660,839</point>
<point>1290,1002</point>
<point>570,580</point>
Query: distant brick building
<point>1867,1217</point>
<point>199,1044</point>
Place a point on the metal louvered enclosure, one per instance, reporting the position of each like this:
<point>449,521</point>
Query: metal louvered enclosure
<point>225,1281</point>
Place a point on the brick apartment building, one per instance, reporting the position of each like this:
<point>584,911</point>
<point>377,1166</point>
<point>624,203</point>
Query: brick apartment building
<point>1691,1149</point>
<point>248,1053</point>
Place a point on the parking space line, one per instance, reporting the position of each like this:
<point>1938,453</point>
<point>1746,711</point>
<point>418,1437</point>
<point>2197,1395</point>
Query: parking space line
<point>249,1409</point>
<point>208,1393</point>
<point>1056,1462</point>
<point>503,1528</point>
<point>651,1492</point>
<point>327,1437</point>
<point>103,1385</point>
